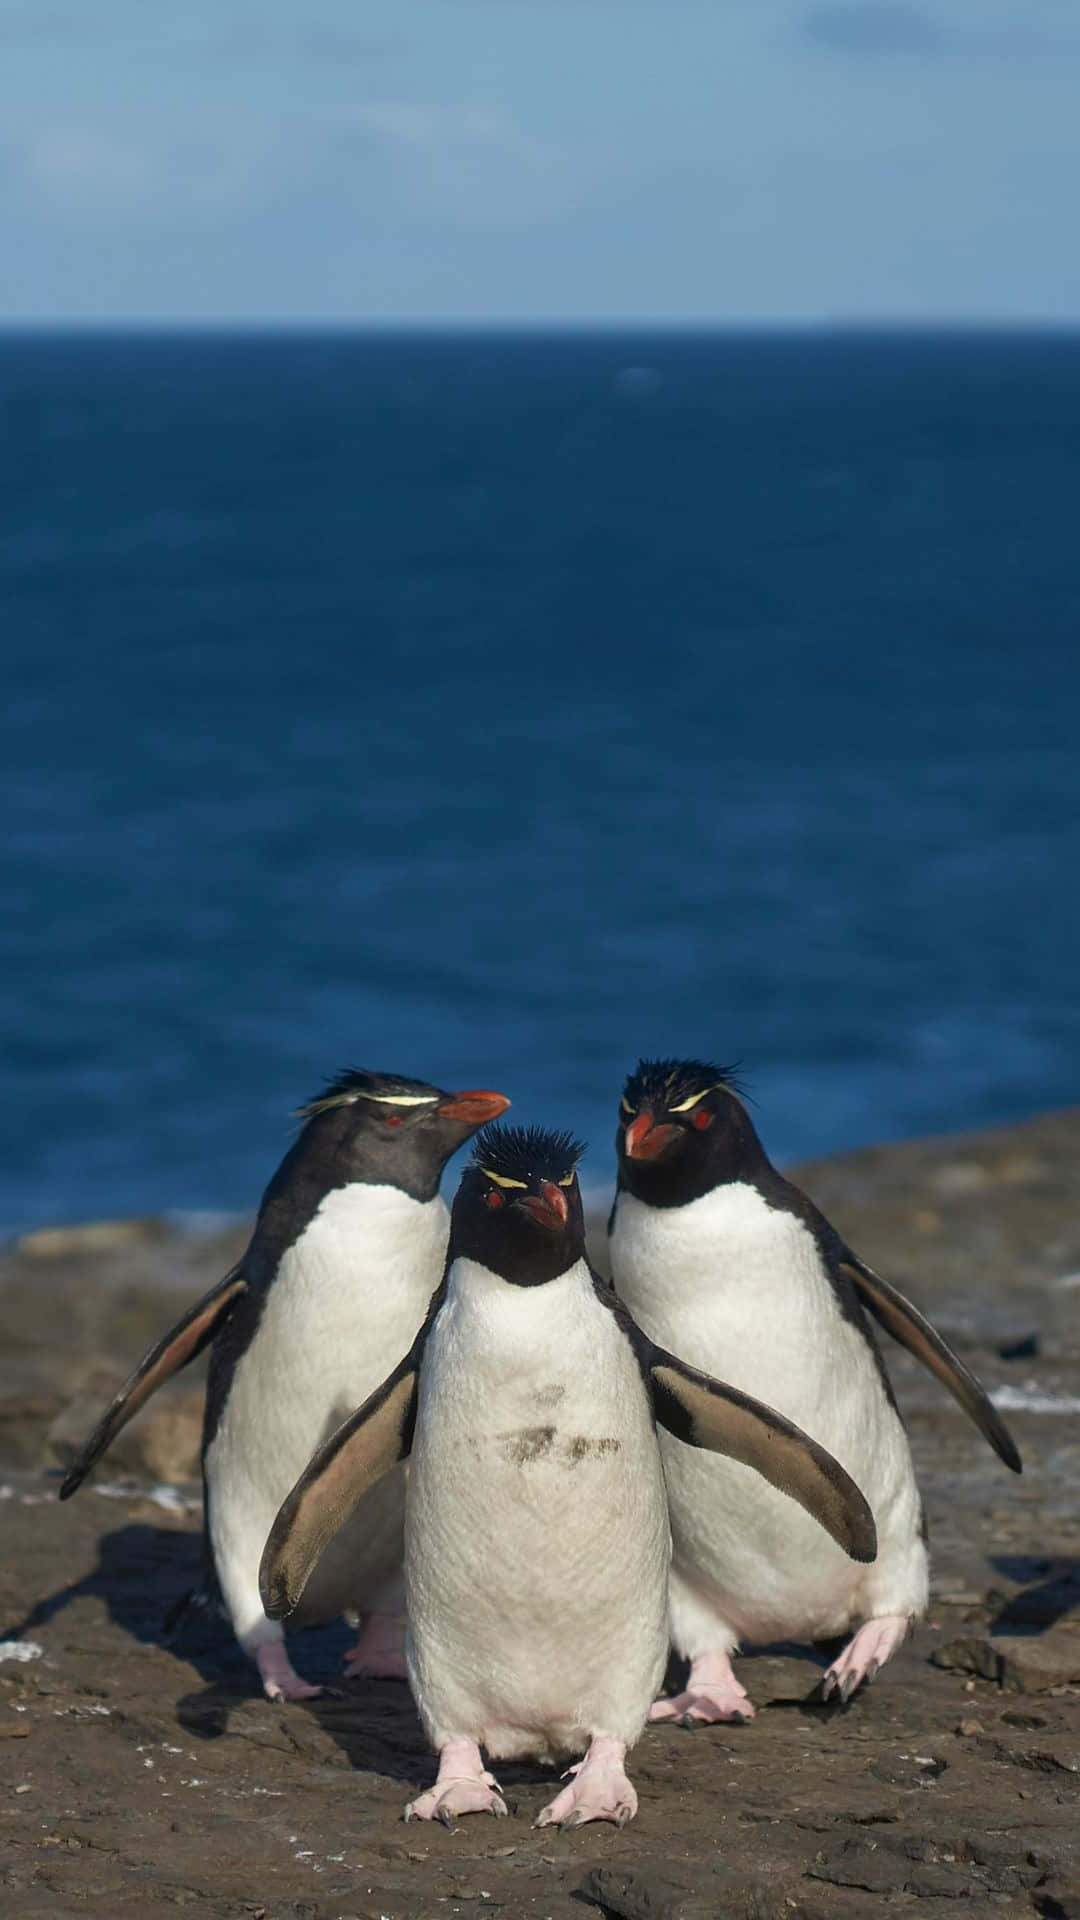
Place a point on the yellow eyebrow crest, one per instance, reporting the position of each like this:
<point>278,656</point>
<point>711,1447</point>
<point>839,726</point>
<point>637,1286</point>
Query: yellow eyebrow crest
<point>401,1099</point>
<point>568,1182</point>
<point>625,1105</point>
<point>501,1180</point>
<point>685,1105</point>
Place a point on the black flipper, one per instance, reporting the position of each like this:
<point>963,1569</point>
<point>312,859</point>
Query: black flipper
<point>705,1413</point>
<point>369,1443</point>
<point>908,1326</point>
<point>174,1350</point>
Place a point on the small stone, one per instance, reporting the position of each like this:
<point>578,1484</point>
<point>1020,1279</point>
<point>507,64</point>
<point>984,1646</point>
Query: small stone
<point>1037,1664</point>
<point>662,1890</point>
<point>959,1177</point>
<point>172,1440</point>
<point>973,1654</point>
<point>970,1726</point>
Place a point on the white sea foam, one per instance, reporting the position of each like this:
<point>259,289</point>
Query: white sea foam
<point>1030,1398</point>
<point>163,1495</point>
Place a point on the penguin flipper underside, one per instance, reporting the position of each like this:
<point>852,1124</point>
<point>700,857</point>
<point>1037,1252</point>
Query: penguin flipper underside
<point>182,1343</point>
<point>907,1325</point>
<point>705,1413</point>
<point>368,1444</point>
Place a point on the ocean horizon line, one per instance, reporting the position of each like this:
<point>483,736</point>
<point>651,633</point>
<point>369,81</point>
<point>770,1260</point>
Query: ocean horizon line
<point>837,326</point>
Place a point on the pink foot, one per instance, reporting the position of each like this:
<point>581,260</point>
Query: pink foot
<point>279,1677</point>
<point>378,1651</point>
<point>462,1787</point>
<point>599,1789</point>
<point>712,1694</point>
<point>875,1642</point>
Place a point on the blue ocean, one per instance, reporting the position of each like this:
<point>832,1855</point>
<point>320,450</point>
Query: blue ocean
<point>495,709</point>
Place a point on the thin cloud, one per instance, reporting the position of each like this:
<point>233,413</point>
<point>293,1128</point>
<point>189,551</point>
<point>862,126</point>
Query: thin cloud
<point>343,45</point>
<point>889,27</point>
<point>412,123</point>
<point>320,42</point>
<point>30,25</point>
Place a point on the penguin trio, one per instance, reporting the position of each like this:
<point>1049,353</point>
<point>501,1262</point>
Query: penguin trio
<point>536,1535</point>
<point>579,1491</point>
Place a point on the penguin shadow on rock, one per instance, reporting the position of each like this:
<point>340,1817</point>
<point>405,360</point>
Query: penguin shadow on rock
<point>157,1588</point>
<point>145,1575</point>
<point>1049,1590</point>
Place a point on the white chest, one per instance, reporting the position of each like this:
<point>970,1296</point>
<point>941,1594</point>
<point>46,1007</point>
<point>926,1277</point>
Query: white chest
<point>549,1357</point>
<point>729,1282</point>
<point>739,1288</point>
<point>344,1307</point>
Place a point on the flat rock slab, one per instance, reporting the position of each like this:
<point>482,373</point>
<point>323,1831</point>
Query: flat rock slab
<point>143,1775</point>
<point>1036,1664</point>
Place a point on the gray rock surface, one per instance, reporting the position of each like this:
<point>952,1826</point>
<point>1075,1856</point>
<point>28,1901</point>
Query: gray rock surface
<point>140,1773</point>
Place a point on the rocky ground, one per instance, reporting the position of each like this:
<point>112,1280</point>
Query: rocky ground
<point>141,1773</point>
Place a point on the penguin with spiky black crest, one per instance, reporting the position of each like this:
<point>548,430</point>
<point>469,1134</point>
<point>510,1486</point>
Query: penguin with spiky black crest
<point>537,1540</point>
<point>715,1253</point>
<point>349,1247</point>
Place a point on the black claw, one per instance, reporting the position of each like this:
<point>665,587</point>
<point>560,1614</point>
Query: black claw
<point>847,1686</point>
<point>829,1684</point>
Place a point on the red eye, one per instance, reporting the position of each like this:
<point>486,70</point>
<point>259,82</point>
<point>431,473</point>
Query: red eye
<point>393,1119</point>
<point>493,1199</point>
<point>703,1120</point>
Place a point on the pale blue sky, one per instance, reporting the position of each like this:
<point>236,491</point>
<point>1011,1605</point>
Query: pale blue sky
<point>652,160</point>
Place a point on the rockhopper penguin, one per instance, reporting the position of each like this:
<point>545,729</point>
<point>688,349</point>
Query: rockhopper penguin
<point>536,1531</point>
<point>717,1255</point>
<point>348,1249</point>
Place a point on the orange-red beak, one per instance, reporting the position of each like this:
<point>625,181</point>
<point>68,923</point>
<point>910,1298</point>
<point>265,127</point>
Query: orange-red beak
<point>644,1140</point>
<point>549,1207</point>
<point>473,1108</point>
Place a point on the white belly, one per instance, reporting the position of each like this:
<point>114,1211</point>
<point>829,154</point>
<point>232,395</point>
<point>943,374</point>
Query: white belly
<point>537,1540</point>
<point>346,1304</point>
<point>737,1287</point>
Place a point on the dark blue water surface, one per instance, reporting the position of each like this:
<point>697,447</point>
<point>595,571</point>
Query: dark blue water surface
<point>494,710</point>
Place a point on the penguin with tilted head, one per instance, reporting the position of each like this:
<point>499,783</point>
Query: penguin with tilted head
<point>536,1531</point>
<point>348,1249</point>
<point>716,1254</point>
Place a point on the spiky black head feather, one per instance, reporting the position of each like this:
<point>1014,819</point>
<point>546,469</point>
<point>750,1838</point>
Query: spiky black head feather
<point>666,1083</point>
<point>518,1210</point>
<point>527,1153</point>
<point>359,1083</point>
<point>381,1129</point>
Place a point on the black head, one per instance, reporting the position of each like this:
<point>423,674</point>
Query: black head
<point>683,1129</point>
<point>518,1208</point>
<point>387,1130</point>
